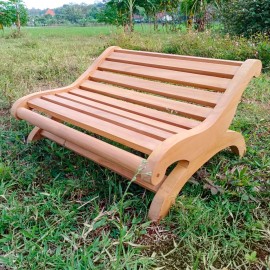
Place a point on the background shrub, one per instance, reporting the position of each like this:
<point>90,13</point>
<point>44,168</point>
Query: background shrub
<point>247,17</point>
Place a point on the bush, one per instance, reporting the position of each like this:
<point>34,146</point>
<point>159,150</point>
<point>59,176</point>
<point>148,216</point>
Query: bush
<point>247,17</point>
<point>14,34</point>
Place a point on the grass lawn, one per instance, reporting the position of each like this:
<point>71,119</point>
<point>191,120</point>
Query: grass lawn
<point>61,211</point>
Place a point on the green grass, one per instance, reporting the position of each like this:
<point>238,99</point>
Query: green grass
<point>62,211</point>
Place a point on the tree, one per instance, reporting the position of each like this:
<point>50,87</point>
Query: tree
<point>112,14</point>
<point>170,7</point>
<point>79,14</point>
<point>197,9</point>
<point>130,4</point>
<point>6,14</point>
<point>247,17</point>
<point>20,11</point>
<point>13,11</point>
<point>200,11</point>
<point>152,7</point>
<point>74,13</point>
<point>119,12</point>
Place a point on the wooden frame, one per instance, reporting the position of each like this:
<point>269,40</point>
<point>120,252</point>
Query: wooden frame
<point>172,108</point>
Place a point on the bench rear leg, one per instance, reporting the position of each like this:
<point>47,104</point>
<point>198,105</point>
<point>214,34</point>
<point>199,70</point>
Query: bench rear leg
<point>238,145</point>
<point>34,135</point>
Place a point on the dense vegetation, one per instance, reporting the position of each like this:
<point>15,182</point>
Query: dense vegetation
<point>80,14</point>
<point>12,12</point>
<point>62,211</point>
<point>247,17</point>
<point>237,16</point>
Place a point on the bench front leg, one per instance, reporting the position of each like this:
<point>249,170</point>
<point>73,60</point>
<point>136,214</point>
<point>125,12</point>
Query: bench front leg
<point>184,169</point>
<point>168,191</point>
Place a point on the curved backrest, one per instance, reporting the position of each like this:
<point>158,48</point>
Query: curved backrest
<point>187,88</point>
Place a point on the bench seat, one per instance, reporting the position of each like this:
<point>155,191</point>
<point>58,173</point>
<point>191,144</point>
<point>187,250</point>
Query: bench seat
<point>138,112</point>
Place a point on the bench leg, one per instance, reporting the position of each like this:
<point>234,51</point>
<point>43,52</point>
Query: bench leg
<point>34,135</point>
<point>169,190</point>
<point>238,144</point>
<point>175,181</point>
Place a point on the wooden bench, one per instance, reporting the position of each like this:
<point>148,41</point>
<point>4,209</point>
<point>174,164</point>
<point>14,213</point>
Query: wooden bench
<point>158,109</point>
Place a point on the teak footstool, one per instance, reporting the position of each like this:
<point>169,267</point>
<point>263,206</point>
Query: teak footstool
<point>168,108</point>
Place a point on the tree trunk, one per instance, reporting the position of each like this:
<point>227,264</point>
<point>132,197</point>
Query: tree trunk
<point>131,28</point>
<point>201,23</point>
<point>18,20</point>
<point>155,22</point>
<point>126,28</point>
<point>131,20</point>
<point>190,22</point>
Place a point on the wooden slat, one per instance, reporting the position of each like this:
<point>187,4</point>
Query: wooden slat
<point>142,119</point>
<point>105,150</point>
<point>196,80</point>
<point>182,57</point>
<point>212,69</point>
<point>111,118</point>
<point>140,110</point>
<point>185,109</point>
<point>122,135</point>
<point>202,97</point>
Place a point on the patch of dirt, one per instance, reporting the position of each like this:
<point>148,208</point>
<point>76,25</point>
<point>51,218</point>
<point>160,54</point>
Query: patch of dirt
<point>160,241</point>
<point>4,112</point>
<point>2,267</point>
<point>263,250</point>
<point>257,102</point>
<point>4,119</point>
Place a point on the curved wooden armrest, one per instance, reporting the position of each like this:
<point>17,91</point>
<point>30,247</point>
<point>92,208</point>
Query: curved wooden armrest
<point>22,102</point>
<point>185,146</point>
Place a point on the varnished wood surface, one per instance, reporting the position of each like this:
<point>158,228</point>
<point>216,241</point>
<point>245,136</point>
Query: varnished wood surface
<point>121,112</point>
<point>106,129</point>
<point>173,108</point>
<point>219,70</point>
<point>180,57</point>
<point>172,76</point>
<point>167,117</point>
<point>185,109</point>
<point>198,96</point>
